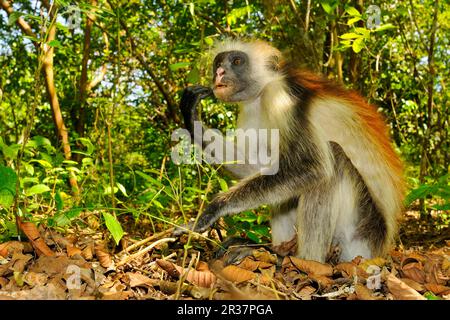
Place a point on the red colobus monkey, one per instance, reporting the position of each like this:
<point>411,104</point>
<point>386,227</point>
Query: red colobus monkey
<point>339,181</point>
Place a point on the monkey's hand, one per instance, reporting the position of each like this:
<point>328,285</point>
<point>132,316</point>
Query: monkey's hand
<point>208,217</point>
<point>189,101</point>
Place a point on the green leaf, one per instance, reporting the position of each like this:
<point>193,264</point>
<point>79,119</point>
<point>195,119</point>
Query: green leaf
<point>352,11</point>
<point>431,296</point>
<point>193,76</point>
<point>248,216</point>
<point>108,190</point>
<point>253,236</point>
<point>8,180</point>
<point>384,27</point>
<point>13,17</point>
<point>261,230</point>
<point>59,201</point>
<point>113,226</point>
<point>329,6</point>
<point>353,20</point>
<point>6,197</point>
<point>209,41</point>
<point>122,189</point>
<point>420,192</point>
<point>65,218</point>
<point>358,45</point>
<point>154,181</point>
<point>179,65</point>
<point>37,189</point>
<point>44,163</point>
<point>88,144</point>
<point>350,35</point>
<point>11,151</point>
<point>365,32</point>
<point>442,207</point>
<point>55,44</point>
<point>223,184</point>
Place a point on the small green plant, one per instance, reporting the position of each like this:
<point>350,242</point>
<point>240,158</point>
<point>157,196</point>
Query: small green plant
<point>438,191</point>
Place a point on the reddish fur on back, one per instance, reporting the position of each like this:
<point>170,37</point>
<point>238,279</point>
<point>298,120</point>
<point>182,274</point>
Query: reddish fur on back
<point>372,120</point>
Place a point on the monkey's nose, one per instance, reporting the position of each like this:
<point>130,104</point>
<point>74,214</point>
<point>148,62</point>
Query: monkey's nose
<point>220,71</point>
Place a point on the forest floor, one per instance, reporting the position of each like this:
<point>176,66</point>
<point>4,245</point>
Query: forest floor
<point>78,265</point>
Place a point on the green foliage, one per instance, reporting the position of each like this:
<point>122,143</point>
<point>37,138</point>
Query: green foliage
<point>8,180</point>
<point>439,191</point>
<point>113,226</point>
<point>152,50</point>
<point>249,224</point>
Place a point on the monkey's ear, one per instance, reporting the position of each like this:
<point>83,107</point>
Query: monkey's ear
<point>274,63</point>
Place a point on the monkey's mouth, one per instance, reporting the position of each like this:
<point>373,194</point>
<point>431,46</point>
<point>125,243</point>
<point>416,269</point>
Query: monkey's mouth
<point>220,86</point>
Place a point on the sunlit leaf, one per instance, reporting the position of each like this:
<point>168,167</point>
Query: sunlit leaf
<point>37,189</point>
<point>113,226</point>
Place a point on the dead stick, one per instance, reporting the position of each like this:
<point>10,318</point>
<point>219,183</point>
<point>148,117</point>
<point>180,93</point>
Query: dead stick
<point>144,241</point>
<point>143,251</point>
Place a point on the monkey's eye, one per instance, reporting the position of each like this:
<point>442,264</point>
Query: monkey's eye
<point>237,61</point>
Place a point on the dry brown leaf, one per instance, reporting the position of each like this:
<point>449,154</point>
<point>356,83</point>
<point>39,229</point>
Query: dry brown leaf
<point>401,291</point>
<point>55,265</point>
<point>306,292</point>
<point>19,261</point>
<point>446,266</point>
<point>202,266</point>
<point>139,280</point>
<point>9,247</point>
<point>236,274</point>
<point>87,252</point>
<point>363,293</point>
<point>286,248</point>
<point>264,256</point>
<point>169,267</point>
<point>264,279</point>
<point>323,281</point>
<point>72,250</point>
<point>349,269</point>
<point>121,295</point>
<point>437,288</point>
<point>413,284</point>
<point>249,264</point>
<point>413,271</point>
<point>312,267</point>
<point>203,279</point>
<point>3,282</point>
<point>35,238</point>
<point>378,261</point>
<point>103,255</point>
<point>48,292</point>
<point>35,279</point>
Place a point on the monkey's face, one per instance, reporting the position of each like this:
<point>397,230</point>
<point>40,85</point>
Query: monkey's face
<point>231,77</point>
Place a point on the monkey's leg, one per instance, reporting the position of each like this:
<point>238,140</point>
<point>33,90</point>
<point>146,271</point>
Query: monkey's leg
<point>359,223</point>
<point>284,227</point>
<point>316,221</point>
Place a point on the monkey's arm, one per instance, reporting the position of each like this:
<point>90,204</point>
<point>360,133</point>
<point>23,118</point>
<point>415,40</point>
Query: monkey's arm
<point>252,192</point>
<point>189,108</point>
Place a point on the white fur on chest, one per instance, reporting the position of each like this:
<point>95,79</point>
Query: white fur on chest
<point>251,116</point>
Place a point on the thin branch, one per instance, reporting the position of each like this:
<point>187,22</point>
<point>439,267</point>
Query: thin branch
<point>23,25</point>
<point>171,105</point>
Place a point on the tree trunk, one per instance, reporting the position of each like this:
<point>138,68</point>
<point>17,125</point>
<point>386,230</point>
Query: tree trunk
<point>61,129</point>
<point>424,159</point>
